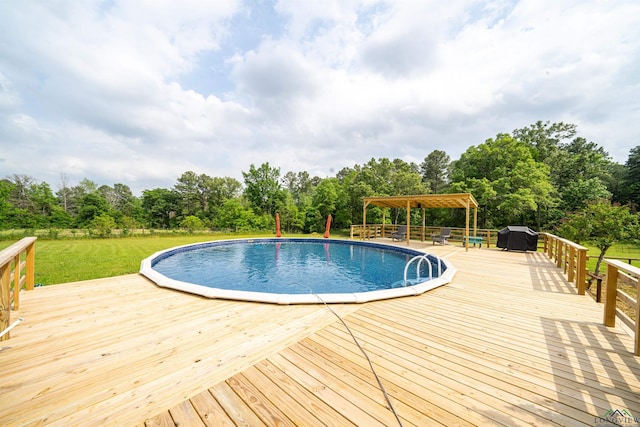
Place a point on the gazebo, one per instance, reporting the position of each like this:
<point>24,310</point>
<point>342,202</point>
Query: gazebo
<point>426,201</point>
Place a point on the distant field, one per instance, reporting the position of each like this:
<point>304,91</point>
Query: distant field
<point>621,250</point>
<point>71,260</point>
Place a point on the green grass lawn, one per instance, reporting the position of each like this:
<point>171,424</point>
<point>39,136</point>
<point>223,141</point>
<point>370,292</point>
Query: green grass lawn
<point>620,250</point>
<point>71,260</point>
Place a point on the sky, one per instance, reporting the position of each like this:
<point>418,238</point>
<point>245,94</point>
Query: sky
<point>138,92</point>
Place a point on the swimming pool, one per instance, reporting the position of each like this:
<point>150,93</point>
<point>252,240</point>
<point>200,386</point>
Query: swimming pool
<point>296,271</point>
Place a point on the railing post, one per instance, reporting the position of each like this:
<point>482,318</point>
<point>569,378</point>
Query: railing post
<point>559,252</point>
<point>5,299</point>
<point>30,273</point>
<point>572,264</point>
<point>581,271</point>
<point>611,296</point>
<point>17,272</point>
<point>637,344</point>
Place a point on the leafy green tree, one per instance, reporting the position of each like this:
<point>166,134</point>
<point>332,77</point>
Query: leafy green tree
<point>601,224</point>
<point>43,201</point>
<point>71,198</point>
<point>632,178</point>
<point>354,189</point>
<point>19,196</point>
<point>618,184</point>
<point>262,188</point>
<point>160,206</point>
<point>192,223</point>
<point>291,216</point>
<point>579,160</point>
<point>236,216</point>
<point>579,192</point>
<point>505,179</point>
<point>221,190</point>
<point>300,185</point>
<point>546,139</point>
<point>120,199</point>
<point>435,170</point>
<point>6,207</point>
<point>572,160</point>
<point>187,192</point>
<point>92,205</point>
<point>326,196</point>
<point>103,224</point>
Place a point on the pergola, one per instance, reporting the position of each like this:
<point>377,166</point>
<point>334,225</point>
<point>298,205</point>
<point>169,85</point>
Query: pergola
<point>426,201</point>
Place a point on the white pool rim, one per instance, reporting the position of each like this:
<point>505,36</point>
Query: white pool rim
<point>284,298</point>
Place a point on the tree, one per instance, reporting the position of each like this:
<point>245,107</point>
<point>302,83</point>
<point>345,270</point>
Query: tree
<point>545,138</point>
<point>505,179</point>
<point>6,208</point>
<point>160,207</point>
<point>579,192</point>
<point>579,160</point>
<point>601,224</point>
<point>262,188</point>
<point>632,179</point>
<point>19,196</point>
<point>192,223</point>
<point>435,170</point>
<point>103,224</point>
<point>233,214</point>
<point>187,191</point>
<point>300,185</point>
<point>221,190</point>
<point>92,205</point>
<point>326,196</point>
<point>64,193</point>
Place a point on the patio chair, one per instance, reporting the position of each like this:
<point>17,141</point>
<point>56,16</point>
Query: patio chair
<point>443,237</point>
<point>400,234</point>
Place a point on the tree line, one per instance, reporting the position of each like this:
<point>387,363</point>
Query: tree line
<point>538,176</point>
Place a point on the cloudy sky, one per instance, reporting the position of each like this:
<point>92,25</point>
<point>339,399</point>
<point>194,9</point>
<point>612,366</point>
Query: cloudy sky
<point>139,91</point>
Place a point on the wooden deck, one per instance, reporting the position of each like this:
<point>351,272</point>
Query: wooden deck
<point>509,342</point>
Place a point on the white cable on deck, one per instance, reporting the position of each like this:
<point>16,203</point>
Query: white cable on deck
<point>13,325</point>
<point>366,356</point>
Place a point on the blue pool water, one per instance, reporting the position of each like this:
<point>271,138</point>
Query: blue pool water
<point>291,266</point>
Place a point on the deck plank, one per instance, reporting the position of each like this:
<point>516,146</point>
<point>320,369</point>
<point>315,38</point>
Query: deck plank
<point>211,413</point>
<point>508,342</point>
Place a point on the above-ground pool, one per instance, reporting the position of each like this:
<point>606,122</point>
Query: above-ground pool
<point>297,271</point>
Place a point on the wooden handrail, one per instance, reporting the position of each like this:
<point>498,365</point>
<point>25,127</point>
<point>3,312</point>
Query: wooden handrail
<point>12,279</point>
<point>570,256</point>
<point>615,269</point>
<point>418,232</point>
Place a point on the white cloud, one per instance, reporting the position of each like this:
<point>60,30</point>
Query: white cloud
<point>96,89</point>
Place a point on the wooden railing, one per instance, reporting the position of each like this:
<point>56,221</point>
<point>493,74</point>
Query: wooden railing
<point>417,232</point>
<point>17,270</point>
<point>570,256</point>
<point>618,271</point>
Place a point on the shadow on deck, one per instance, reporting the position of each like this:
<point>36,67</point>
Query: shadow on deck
<point>508,342</point>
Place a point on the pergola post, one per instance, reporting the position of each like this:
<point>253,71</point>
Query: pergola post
<point>475,223</point>
<point>364,219</point>
<point>408,222</point>
<point>466,233</point>
<point>384,215</point>
<point>425,201</point>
